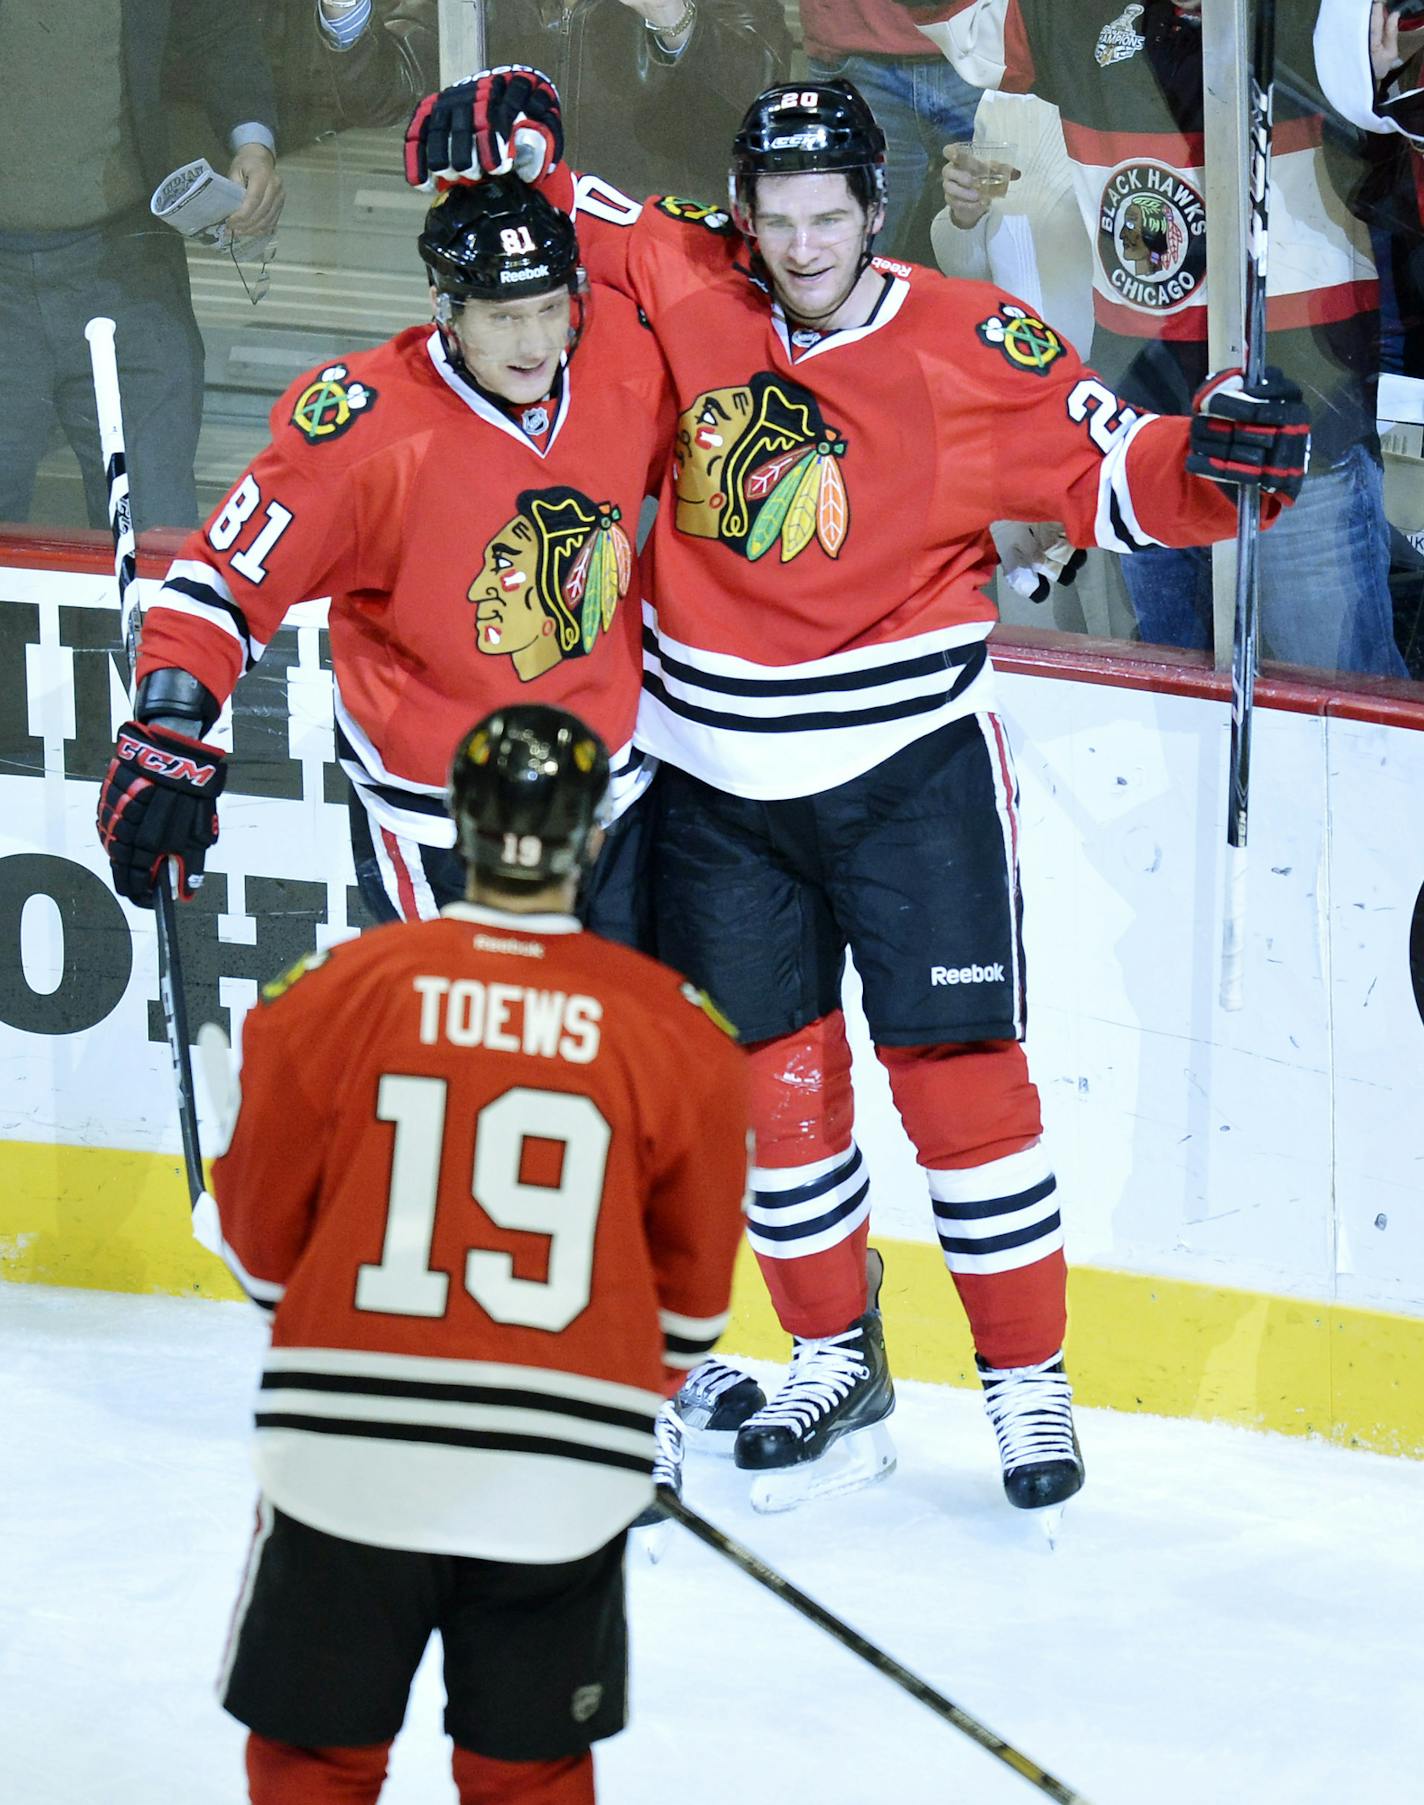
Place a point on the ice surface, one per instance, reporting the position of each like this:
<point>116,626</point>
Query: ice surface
<point>1228,1617</point>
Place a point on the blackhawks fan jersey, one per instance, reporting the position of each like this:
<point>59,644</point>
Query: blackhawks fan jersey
<point>818,563</point>
<point>1127,81</point>
<point>470,1174</point>
<point>470,562</point>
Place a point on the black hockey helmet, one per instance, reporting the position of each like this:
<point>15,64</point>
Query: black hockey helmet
<point>528,785</point>
<point>498,239</point>
<point>798,127</point>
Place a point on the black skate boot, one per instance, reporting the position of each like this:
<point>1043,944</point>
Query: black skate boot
<point>653,1525</point>
<point>824,1431</point>
<point>1031,1408</point>
<point>715,1400</point>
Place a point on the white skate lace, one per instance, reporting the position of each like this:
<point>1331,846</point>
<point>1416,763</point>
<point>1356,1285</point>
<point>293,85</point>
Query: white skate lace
<point>667,1460</point>
<point>823,1374</point>
<point>1032,1413</point>
<point>708,1382</point>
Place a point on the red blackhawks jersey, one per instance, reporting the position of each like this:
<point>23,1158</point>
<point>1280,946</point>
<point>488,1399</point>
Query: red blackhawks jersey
<point>470,562</point>
<point>488,1169</point>
<point>822,541</point>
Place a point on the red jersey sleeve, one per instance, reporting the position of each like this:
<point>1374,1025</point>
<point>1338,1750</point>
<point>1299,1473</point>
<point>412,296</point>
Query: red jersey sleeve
<point>694,1212</point>
<point>1056,443</point>
<point>298,524</point>
<point>267,1182</point>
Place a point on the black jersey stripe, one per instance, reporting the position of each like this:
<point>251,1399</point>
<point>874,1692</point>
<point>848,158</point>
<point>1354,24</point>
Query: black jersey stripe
<point>994,1206</point>
<point>687,1347</point>
<point>208,597</point>
<point>905,709</point>
<point>870,677</point>
<point>838,1175</point>
<point>796,1231</point>
<point>393,794</point>
<point>494,1441</point>
<point>1018,1237</point>
<point>448,1392</point>
<point>1119,522</point>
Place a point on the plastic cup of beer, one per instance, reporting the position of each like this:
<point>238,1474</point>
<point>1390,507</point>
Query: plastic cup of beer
<point>989,166</point>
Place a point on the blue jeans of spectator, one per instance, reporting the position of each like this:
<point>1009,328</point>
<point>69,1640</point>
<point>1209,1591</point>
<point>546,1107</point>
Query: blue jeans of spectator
<point>1324,566</point>
<point>922,104</point>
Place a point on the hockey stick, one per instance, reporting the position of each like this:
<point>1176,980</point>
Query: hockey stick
<point>100,334</point>
<point>1248,519</point>
<point>781,1587</point>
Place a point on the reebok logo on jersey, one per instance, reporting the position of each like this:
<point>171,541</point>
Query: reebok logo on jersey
<point>505,943</point>
<point>966,974</point>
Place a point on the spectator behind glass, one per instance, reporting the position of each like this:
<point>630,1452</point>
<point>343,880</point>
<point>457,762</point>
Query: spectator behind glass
<point>77,238</point>
<point>920,102</point>
<point>652,89</point>
<point>1150,340</point>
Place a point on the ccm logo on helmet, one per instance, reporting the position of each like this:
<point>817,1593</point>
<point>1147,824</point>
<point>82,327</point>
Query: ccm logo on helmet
<point>966,974</point>
<point>163,764</point>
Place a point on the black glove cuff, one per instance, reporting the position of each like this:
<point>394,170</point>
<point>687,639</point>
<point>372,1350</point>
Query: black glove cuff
<point>176,695</point>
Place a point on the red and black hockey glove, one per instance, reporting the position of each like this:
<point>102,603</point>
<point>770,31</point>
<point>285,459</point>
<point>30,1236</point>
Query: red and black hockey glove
<point>159,800</point>
<point>499,120</point>
<point>1250,437</point>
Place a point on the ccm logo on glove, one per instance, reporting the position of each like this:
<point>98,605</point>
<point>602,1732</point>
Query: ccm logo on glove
<point>153,759</point>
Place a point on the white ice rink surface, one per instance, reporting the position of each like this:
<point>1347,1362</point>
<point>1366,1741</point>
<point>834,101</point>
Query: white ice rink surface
<point>1228,1617</point>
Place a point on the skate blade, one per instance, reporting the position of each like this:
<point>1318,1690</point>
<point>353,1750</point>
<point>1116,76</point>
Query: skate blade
<point>856,1460</point>
<point>719,1443</point>
<point>651,1540</point>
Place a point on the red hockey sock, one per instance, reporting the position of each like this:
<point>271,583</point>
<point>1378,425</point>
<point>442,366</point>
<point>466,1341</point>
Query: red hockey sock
<point>808,1217</point>
<point>972,1112</point>
<point>280,1773</point>
<point>481,1780</point>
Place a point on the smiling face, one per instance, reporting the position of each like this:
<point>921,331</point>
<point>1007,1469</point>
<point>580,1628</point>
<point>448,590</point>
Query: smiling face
<point>811,232</point>
<point>512,348</point>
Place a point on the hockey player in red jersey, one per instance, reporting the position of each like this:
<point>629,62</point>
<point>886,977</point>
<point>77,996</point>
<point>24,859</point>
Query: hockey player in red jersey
<point>468,496</point>
<point>487,1171</point>
<point>835,776</point>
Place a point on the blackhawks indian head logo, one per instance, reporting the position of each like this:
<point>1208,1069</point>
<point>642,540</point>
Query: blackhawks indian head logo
<point>1152,237</point>
<point>757,466</point>
<point>551,580</point>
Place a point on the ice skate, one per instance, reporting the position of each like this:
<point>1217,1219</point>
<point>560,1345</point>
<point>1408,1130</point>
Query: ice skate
<point>652,1530</point>
<point>824,1431</point>
<point>714,1402</point>
<point>1031,1408</point>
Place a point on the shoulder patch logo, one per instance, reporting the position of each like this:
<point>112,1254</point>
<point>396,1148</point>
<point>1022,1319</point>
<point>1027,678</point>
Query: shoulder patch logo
<point>1025,341</point>
<point>696,213</point>
<point>327,407</point>
<point>279,986</point>
<point>1120,39</point>
<point>700,1000</point>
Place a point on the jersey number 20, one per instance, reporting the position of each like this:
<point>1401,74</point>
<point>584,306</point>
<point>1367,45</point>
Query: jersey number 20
<point>403,1284</point>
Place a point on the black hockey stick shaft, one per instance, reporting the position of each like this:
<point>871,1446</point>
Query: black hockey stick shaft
<point>781,1587</point>
<point>102,358</point>
<point>1246,625</point>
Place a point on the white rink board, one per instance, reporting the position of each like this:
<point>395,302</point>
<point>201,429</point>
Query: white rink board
<point>1255,1150</point>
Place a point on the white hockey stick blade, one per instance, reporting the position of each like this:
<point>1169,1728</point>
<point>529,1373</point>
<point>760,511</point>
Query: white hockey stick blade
<point>856,1460</point>
<point>219,1069</point>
